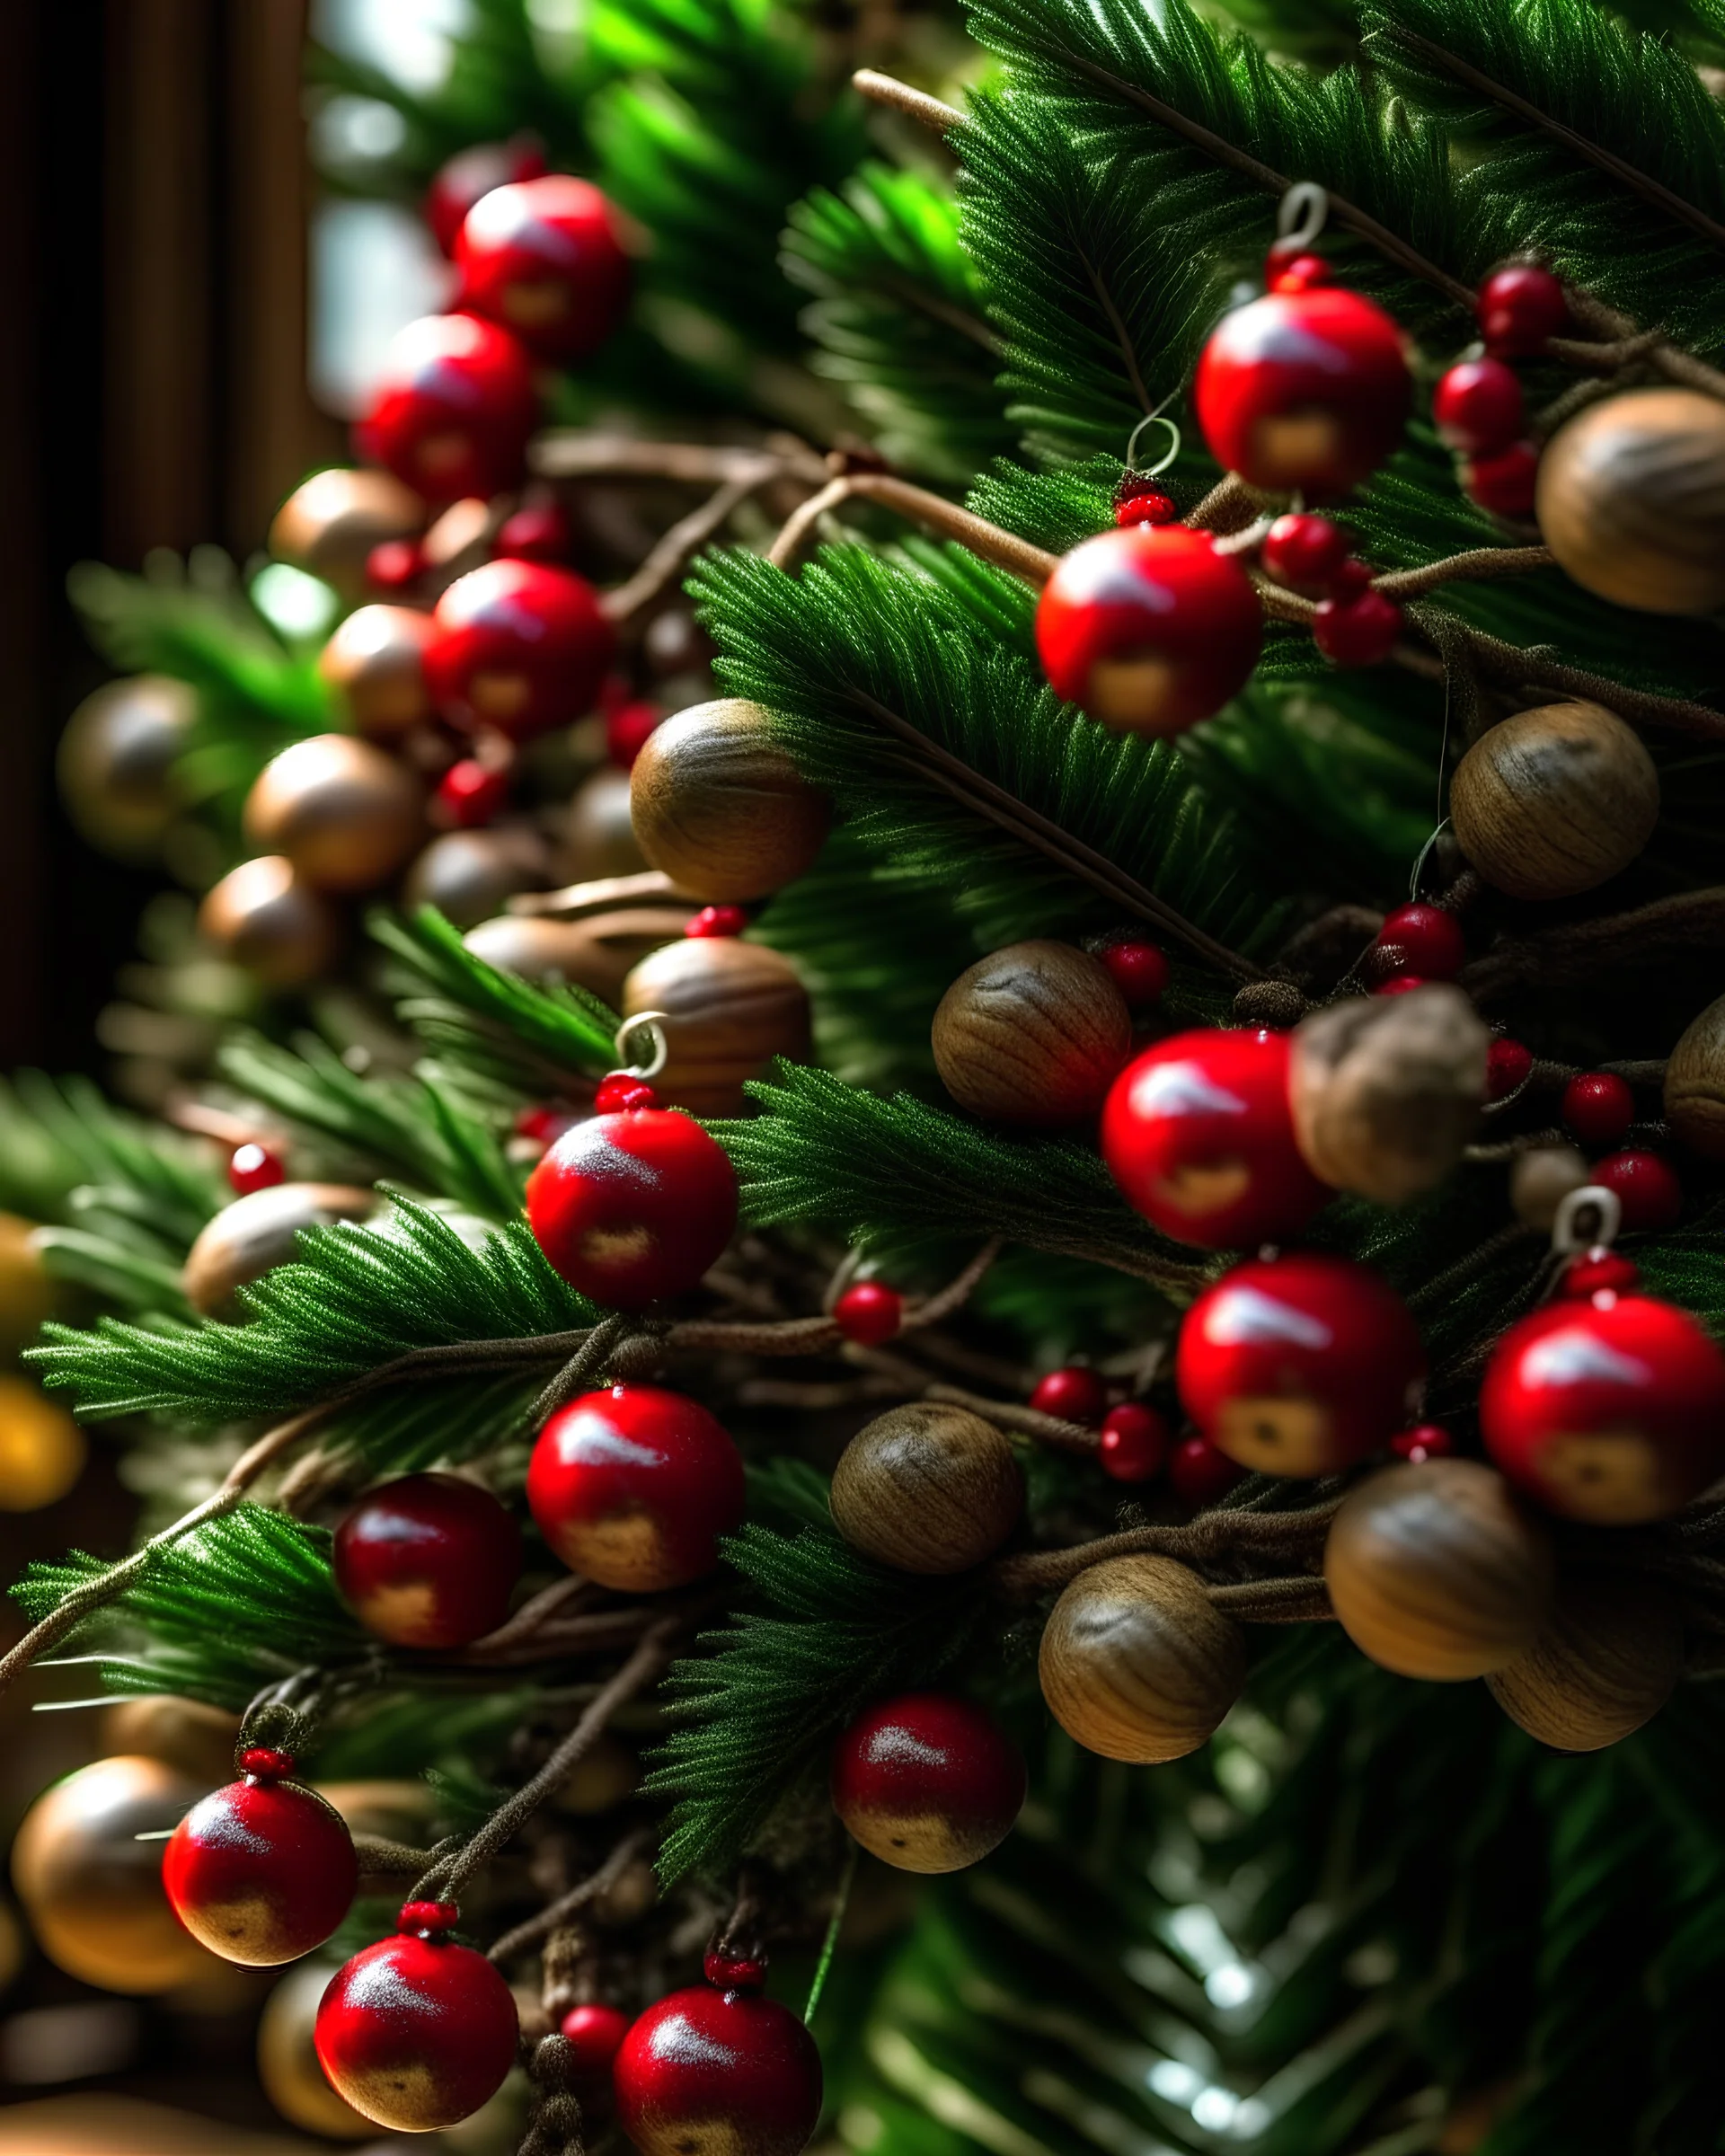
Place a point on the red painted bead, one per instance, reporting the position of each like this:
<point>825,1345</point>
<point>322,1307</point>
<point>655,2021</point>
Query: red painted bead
<point>539,533</point>
<point>707,2072</point>
<point>716,921</point>
<point>634,1486</point>
<point>1134,1442</point>
<point>517,647</point>
<point>1303,390</point>
<point>1300,273</point>
<point>543,258</point>
<point>427,1920</point>
<point>1145,507</point>
<point>1299,1365</point>
<point>453,412</point>
<point>927,1782</point>
<point>1138,970</point>
<point>1075,1394</point>
<point>1421,939</point>
<point>1199,1475</point>
<point>1598,1272</point>
<point>1507,1063</point>
<point>1305,551</point>
<point>632,1206</point>
<point>1356,633</point>
<point>417,2032</point>
<point>471,173</point>
<point>1400,983</point>
<point>594,2035</point>
<point>1611,1410</point>
<point>1647,1189</point>
<point>1426,1441</point>
<point>1504,483</point>
<point>626,730</point>
<point>1148,628</point>
<point>255,1168</point>
<point>729,1971</point>
<point>261,1871</point>
<point>268,1762</point>
<point>1519,308</point>
<point>1597,1107</point>
<point>869,1312</point>
<point>394,565</point>
<point>428,1560</point>
<point>622,1092</point>
<point>1198,1134</point>
<point>1478,406</point>
<point>469,795</point>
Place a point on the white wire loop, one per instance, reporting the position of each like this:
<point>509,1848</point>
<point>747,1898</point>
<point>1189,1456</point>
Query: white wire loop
<point>1300,215</point>
<point>1588,1219</point>
<point>1152,419</point>
<point>645,1030</point>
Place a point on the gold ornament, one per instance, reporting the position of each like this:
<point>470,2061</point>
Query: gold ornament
<point>26,1290</point>
<point>599,829</point>
<point>1607,1661</point>
<point>596,954</point>
<point>188,1734</point>
<point>927,1489</point>
<point>270,921</point>
<point>42,1450</point>
<point>330,522</point>
<point>293,2081</point>
<point>720,807</point>
<point>345,813</point>
<point>118,758</point>
<point>1032,1035</point>
<point>375,665</point>
<point>728,1008</point>
<point>467,875</point>
<point>1694,1083</point>
<point>258,1232</point>
<point>1555,801</point>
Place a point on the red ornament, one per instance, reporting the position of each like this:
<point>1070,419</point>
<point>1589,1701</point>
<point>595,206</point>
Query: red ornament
<point>1427,1441</point>
<point>634,1486</point>
<point>469,795</point>
<point>1504,483</point>
<point>626,730</point>
<point>594,2035</point>
<point>1507,1063</point>
<point>927,1782</point>
<point>634,1204</point>
<point>1519,308</point>
<point>1356,633</point>
<point>1148,628</point>
<point>1145,505</point>
<point>716,921</point>
<point>1075,1394</point>
<point>1199,1475</point>
<point>1299,1365</point>
<point>1611,1410</point>
<point>1305,551</point>
<point>255,1168</point>
<point>1478,408</point>
<point>1352,580</point>
<point>1647,1189</point>
<point>1421,939</point>
<point>1138,969</point>
<point>869,1312</point>
<point>1597,1107</point>
<point>415,2031</point>
<point>543,258</point>
<point>454,410</point>
<point>539,533</point>
<point>1598,1272</point>
<point>719,2072</point>
<point>1198,1134</point>
<point>517,647</point>
<point>1305,390</point>
<point>471,173</point>
<point>428,1560</point>
<point>394,565</point>
<point>263,1870</point>
<point>1134,1442</point>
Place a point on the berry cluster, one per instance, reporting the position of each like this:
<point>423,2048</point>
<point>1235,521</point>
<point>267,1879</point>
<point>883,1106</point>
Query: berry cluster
<point>1477,406</point>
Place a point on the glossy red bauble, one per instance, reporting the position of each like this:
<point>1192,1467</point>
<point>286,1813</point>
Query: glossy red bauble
<point>544,258</point>
<point>1305,391</point>
<point>395,565</point>
<point>469,794</point>
<point>634,1486</point>
<point>1420,938</point>
<point>1611,1410</point>
<point>1597,1272</point>
<point>428,1560</point>
<point>1133,1442</point>
<point>927,1782</point>
<point>415,2031</point>
<point>1478,406</point>
<point>263,1870</point>
<point>1305,551</point>
<point>1647,1189</point>
<point>1138,969</point>
<point>1426,1441</point>
<point>471,173</point>
<point>1507,1064</point>
<point>1148,628</point>
<point>453,412</point>
<point>1199,1475</point>
<point>1597,1106</point>
<point>626,730</point>
<point>1520,308</point>
<point>1504,483</point>
<point>540,532</point>
<point>518,647</point>
<point>1299,1365</point>
<point>716,921</point>
<point>255,1168</point>
<point>1356,633</point>
<point>712,2072</point>
<point>870,1313</point>
<point>594,2035</point>
<point>1198,1134</point>
<point>1075,1394</point>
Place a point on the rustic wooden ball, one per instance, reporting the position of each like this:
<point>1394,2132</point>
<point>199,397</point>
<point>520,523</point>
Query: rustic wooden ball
<point>598,835</point>
<point>729,1008</point>
<point>596,954</point>
<point>1541,1180</point>
<point>288,2067</point>
<point>189,1734</point>
<point>345,813</point>
<point>1435,1570</point>
<point>1606,1661</point>
<point>927,1487</point>
<point>118,760</point>
<point>1694,1083</point>
<point>1555,801</point>
<point>1631,498</point>
<point>722,807</point>
<point>330,522</point>
<point>467,875</point>
<point>267,919</point>
<point>42,1450</point>
<point>1137,1663</point>
<point>1033,1035</point>
<point>375,667</point>
<point>256,1234</point>
<point>26,1290</point>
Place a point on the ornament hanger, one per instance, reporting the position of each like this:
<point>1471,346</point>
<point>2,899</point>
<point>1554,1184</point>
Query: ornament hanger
<point>1300,213</point>
<point>1588,1219</point>
<point>1158,418</point>
<point>644,1032</point>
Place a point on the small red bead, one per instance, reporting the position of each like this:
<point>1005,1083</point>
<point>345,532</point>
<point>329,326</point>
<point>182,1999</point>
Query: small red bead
<point>544,257</point>
<point>417,2032</point>
<point>473,172</point>
<point>540,532</point>
<point>1356,633</point>
<point>1073,1394</point>
<point>622,1092</point>
<point>626,728</point>
<point>1427,1441</point>
<point>452,411</point>
<point>1421,939</point>
<point>394,565</point>
<point>1599,1272</point>
<point>1352,580</point>
<point>1647,1189</point>
<point>265,1762</point>
<point>469,795</point>
<point>427,1561</point>
<point>1306,552</point>
<point>517,647</point>
<point>1138,970</point>
<point>869,1312</point>
<point>927,1782</point>
<point>729,1972</point>
<point>1597,1107</point>
<point>594,2035</point>
<point>418,1918</point>
<point>255,1168</point>
<point>1200,1475</point>
<point>1478,406</point>
<point>1134,1442</point>
<point>1506,1066</point>
<point>1519,309</point>
<point>1400,983</point>
<point>1300,273</point>
<point>545,1123</point>
<point>1504,484</point>
<point>716,921</point>
<point>1147,507</point>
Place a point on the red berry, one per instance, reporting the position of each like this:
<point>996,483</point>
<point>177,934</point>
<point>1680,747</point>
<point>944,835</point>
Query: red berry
<point>1478,407</point>
<point>620,1092</point>
<point>543,1123</point>
<point>517,647</point>
<point>1134,1442</point>
<point>471,173</point>
<point>594,2035</point>
<point>1356,633</point>
<point>417,2032</point>
<point>1198,1134</point>
<point>394,565</point>
<point>453,412</point>
<point>927,1782</point>
<point>716,921</point>
<point>1427,1441</point>
<point>1611,1410</point>
<point>539,533</point>
<point>1506,1066</point>
<point>1199,1475</point>
<point>1352,580</point>
<point>1305,551</point>
<point>1146,506</point>
<point>255,1168</point>
<point>1075,1394</point>
<point>1519,309</point>
<point>1138,969</point>
<point>1503,484</point>
<point>267,1762</point>
<point>469,795</point>
<point>1597,1107</point>
<point>1299,1365</point>
<point>543,256</point>
<point>1148,628</point>
<point>707,2069</point>
<point>1426,940</point>
<point>634,1486</point>
<point>626,730</point>
<point>869,1312</point>
<point>261,1871</point>
<point>632,1206</point>
<point>1400,983</point>
<point>428,1560</point>
<point>729,1971</point>
<point>1300,273</point>
<point>1647,1189</point>
<point>1306,390</point>
<point>1599,1272</point>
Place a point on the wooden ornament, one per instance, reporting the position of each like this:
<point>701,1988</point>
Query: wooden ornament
<point>26,1291</point>
<point>1541,1180</point>
<point>729,1008</point>
<point>288,2067</point>
<point>1137,1663</point>
<point>469,875</point>
<point>345,813</point>
<point>267,919</point>
<point>927,1489</point>
<point>1032,1035</point>
<point>598,836</point>
<point>374,666</point>
<point>254,1234</point>
<point>1555,801</point>
<point>1386,1090</point>
<point>1695,1084</point>
<point>188,1734</point>
<point>596,954</point>
<point>330,522</point>
<point>1631,499</point>
<point>1608,1660</point>
<point>1436,1571</point>
<point>722,807</point>
<point>42,1450</point>
<point>118,760</point>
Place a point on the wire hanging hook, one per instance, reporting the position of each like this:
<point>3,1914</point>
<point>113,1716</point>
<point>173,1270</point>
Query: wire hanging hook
<point>1159,417</point>
<point>1300,213</point>
<point>1588,1219</point>
<point>644,1031</point>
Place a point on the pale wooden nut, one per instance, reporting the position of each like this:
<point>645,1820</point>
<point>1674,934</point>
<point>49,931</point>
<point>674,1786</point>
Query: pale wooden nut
<point>927,1489</point>
<point>1034,1034</point>
<point>258,1232</point>
<point>269,920</point>
<point>1605,1663</point>
<point>727,1009</point>
<point>1540,1180</point>
<point>1694,1083</point>
<point>331,521</point>
<point>374,663</point>
<point>722,807</point>
<point>596,954</point>
<point>345,813</point>
<point>598,832</point>
<point>468,875</point>
<point>1555,801</point>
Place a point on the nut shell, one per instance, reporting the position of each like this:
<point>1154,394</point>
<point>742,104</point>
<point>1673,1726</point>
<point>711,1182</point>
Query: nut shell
<point>1694,1083</point>
<point>267,918</point>
<point>719,805</point>
<point>345,813</point>
<point>1607,1661</point>
<point>927,1489</point>
<point>1555,801</point>
<point>287,2064</point>
<point>256,1234</point>
<point>598,837</point>
<point>375,664</point>
<point>1034,1035</point>
<point>598,954</point>
<point>729,1008</point>
<point>467,875</point>
<point>1541,1180</point>
<point>1136,1664</point>
<point>117,758</point>
<point>330,522</point>
<point>189,1735</point>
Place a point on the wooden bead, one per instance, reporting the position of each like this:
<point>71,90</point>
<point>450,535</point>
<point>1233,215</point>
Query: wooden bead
<point>345,813</point>
<point>1541,1180</point>
<point>374,666</point>
<point>26,1290</point>
<point>599,829</point>
<point>1137,1663</point>
<point>1631,498</point>
<point>330,522</point>
<point>189,1735</point>
<point>722,807</point>
<point>118,761</point>
<point>1695,1084</point>
<point>729,1008</point>
<point>596,954</point>
<point>1605,1663</point>
<point>42,1450</point>
<point>927,1489</point>
<point>467,875</point>
<point>269,920</point>
<point>1436,1571</point>
<point>254,1234</point>
<point>288,2067</point>
<point>1555,801</point>
<point>1034,1035</point>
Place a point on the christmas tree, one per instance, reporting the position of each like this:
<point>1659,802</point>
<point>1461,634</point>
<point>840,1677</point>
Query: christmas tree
<point>1124,1322</point>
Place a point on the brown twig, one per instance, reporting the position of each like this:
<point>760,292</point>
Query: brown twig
<point>685,538</point>
<point>1003,548</point>
<point>1052,1430</point>
<point>1222,1536</point>
<point>1475,565</point>
<point>600,895</point>
<point>574,452</point>
<point>1687,920</point>
<point>1296,1601</point>
<point>595,1884</point>
<point>887,89</point>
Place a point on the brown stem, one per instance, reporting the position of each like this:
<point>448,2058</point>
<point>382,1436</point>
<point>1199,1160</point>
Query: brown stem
<point>600,895</point>
<point>1229,505</point>
<point>1223,1535</point>
<point>1558,957</point>
<point>1299,1600</point>
<point>1004,548</point>
<point>1052,1430</point>
<point>957,1292</point>
<point>887,89</point>
<point>588,1360</point>
<point>1476,564</point>
<point>596,1883</point>
<point>570,453</point>
<point>685,538</point>
<point>379,1859</point>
